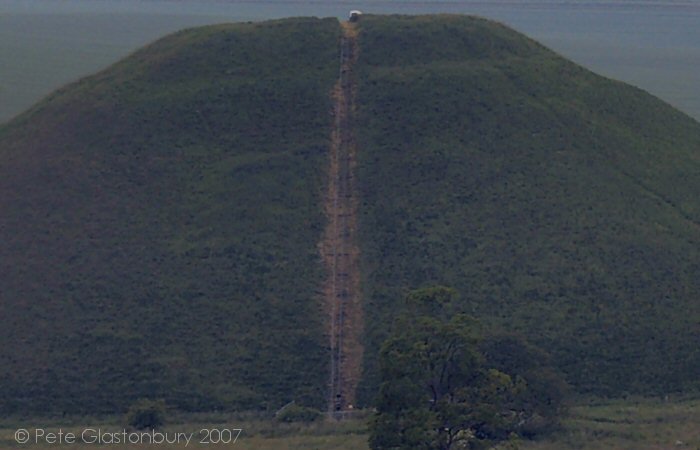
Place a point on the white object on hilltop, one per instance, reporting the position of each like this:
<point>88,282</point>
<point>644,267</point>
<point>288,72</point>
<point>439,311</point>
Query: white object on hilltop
<point>355,15</point>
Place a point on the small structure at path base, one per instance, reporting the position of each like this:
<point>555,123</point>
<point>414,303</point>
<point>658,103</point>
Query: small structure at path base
<point>355,15</point>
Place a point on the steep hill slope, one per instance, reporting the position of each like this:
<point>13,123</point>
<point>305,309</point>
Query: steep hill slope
<point>159,227</point>
<point>160,221</point>
<point>561,204</point>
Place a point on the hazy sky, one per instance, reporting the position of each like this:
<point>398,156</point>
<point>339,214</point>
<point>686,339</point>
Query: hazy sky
<point>47,43</point>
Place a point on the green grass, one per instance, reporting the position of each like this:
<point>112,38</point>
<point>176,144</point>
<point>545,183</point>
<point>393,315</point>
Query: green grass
<point>561,205</point>
<point>160,227</point>
<point>641,424</point>
<point>160,219</point>
<point>255,433</point>
<point>627,425</point>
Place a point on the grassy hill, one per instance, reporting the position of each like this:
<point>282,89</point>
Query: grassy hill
<point>160,220</point>
<point>560,204</point>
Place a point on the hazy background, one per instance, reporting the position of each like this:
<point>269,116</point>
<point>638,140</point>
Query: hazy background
<point>47,43</point>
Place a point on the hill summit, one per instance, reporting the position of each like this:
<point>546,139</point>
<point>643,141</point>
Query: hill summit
<point>161,220</point>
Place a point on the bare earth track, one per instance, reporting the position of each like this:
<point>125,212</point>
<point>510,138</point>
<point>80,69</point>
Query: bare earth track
<point>339,244</point>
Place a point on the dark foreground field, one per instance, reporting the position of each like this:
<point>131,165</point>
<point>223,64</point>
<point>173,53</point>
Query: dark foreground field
<point>619,425</point>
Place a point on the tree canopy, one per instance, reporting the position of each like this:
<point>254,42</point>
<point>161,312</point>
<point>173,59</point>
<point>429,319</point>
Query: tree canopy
<point>440,389</point>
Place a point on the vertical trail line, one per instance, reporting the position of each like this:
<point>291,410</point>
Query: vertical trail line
<point>339,244</point>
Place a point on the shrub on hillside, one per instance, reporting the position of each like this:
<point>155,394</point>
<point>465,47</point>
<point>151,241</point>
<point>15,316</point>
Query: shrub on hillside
<point>146,414</point>
<point>296,413</point>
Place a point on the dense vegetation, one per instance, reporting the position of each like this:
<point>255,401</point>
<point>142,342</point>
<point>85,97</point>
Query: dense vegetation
<point>441,389</point>
<point>159,220</point>
<point>560,204</point>
<point>159,227</point>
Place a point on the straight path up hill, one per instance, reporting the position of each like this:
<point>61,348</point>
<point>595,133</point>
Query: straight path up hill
<point>339,245</point>
<point>160,221</point>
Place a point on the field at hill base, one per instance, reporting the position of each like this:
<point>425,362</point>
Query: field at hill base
<point>616,425</point>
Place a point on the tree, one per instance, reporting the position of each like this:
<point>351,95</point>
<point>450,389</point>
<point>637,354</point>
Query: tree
<point>437,391</point>
<point>543,401</point>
